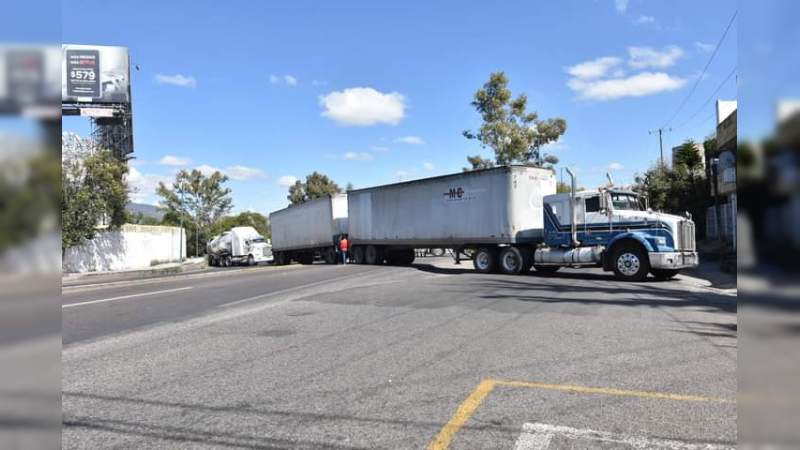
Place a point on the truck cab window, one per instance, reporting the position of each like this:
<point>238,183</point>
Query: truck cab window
<point>593,204</point>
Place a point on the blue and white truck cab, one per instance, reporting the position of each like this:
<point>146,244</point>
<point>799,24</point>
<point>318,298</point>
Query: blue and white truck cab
<point>615,229</point>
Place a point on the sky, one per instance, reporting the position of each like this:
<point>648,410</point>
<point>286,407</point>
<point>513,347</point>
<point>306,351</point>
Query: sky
<point>372,93</point>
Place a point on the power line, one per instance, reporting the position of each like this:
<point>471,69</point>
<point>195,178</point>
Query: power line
<point>708,99</point>
<point>702,74</point>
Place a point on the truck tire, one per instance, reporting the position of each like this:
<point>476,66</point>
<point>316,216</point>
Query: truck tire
<point>250,260</point>
<point>279,258</point>
<point>329,256</point>
<point>485,260</point>
<point>371,255</point>
<point>358,255</point>
<point>407,257</point>
<point>630,262</point>
<point>546,270</point>
<point>664,274</point>
<point>511,261</point>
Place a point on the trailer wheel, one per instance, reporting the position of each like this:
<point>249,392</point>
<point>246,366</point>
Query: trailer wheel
<point>407,257</point>
<point>511,261</point>
<point>371,255</point>
<point>438,252</point>
<point>484,260</point>
<point>630,262</point>
<point>329,256</point>
<point>358,255</point>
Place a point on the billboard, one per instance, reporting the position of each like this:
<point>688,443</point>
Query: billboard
<point>95,74</point>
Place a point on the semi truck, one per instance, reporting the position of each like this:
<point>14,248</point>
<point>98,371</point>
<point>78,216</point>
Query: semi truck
<point>309,230</point>
<point>237,246</point>
<point>510,219</point>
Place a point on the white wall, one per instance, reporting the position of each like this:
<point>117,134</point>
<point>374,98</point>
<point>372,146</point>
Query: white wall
<point>131,247</point>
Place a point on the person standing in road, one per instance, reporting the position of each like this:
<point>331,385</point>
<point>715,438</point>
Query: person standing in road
<point>343,247</point>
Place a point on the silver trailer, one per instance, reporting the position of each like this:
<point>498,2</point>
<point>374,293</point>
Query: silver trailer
<point>302,232</point>
<point>493,207</point>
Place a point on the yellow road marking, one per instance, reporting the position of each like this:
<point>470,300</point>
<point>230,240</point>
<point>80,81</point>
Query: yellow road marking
<point>485,387</point>
<point>612,391</point>
<point>463,413</point>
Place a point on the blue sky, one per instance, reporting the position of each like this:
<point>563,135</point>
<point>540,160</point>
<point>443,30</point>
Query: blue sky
<point>371,94</point>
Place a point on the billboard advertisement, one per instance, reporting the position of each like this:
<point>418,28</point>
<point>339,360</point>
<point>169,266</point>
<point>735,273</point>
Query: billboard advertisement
<point>95,74</point>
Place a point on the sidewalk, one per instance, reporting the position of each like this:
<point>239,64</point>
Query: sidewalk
<point>188,266</point>
<point>711,272</point>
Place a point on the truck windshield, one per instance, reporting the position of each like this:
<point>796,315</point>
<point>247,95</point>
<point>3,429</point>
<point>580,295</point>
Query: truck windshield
<point>626,201</point>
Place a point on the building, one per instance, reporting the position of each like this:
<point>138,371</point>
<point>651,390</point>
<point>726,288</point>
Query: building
<point>721,218</point>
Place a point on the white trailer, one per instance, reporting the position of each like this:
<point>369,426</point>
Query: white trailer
<point>302,232</point>
<point>500,206</point>
<point>239,245</point>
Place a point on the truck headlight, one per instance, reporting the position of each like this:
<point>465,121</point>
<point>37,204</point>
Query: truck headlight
<point>660,240</point>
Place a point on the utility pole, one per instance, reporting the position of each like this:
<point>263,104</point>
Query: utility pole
<point>660,140</point>
<point>180,254</point>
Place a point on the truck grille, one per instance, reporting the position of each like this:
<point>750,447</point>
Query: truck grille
<point>686,235</point>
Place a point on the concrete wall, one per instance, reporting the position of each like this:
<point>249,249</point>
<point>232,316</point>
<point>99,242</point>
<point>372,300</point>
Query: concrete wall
<point>131,247</point>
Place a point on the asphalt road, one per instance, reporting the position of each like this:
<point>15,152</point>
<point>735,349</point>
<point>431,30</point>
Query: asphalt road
<point>389,357</point>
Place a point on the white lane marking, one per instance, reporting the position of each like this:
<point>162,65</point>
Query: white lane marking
<point>537,436</point>
<point>533,441</point>
<point>124,297</point>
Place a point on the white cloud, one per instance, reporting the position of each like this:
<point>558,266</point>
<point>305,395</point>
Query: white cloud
<point>595,68</point>
<point>143,186</point>
<point>176,80</point>
<point>702,46</point>
<point>287,79</point>
<point>621,6</point>
<point>643,57</point>
<point>645,83</point>
<point>412,140</point>
<point>428,165</point>
<point>243,173</point>
<point>172,160</point>
<point>287,180</point>
<point>207,170</point>
<point>358,156</point>
<point>642,20</point>
<point>614,166</point>
<point>379,148</point>
<point>363,106</point>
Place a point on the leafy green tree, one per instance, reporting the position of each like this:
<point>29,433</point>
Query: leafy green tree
<point>140,218</point>
<point>316,185</point>
<point>514,134</point>
<point>29,198</point>
<point>93,192</point>
<point>688,157</point>
<point>199,200</point>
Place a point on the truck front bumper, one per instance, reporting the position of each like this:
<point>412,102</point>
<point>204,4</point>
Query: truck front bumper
<point>673,260</point>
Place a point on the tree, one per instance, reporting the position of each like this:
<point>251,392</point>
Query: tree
<point>199,200</point>
<point>688,157</point>
<point>316,185</point>
<point>515,135</point>
<point>93,192</point>
<point>675,191</point>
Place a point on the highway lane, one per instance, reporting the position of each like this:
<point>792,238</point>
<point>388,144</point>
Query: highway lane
<point>389,357</point>
<point>89,312</point>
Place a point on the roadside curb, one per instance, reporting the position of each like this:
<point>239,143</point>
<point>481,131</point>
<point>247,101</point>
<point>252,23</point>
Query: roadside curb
<point>127,275</point>
<point>162,277</point>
